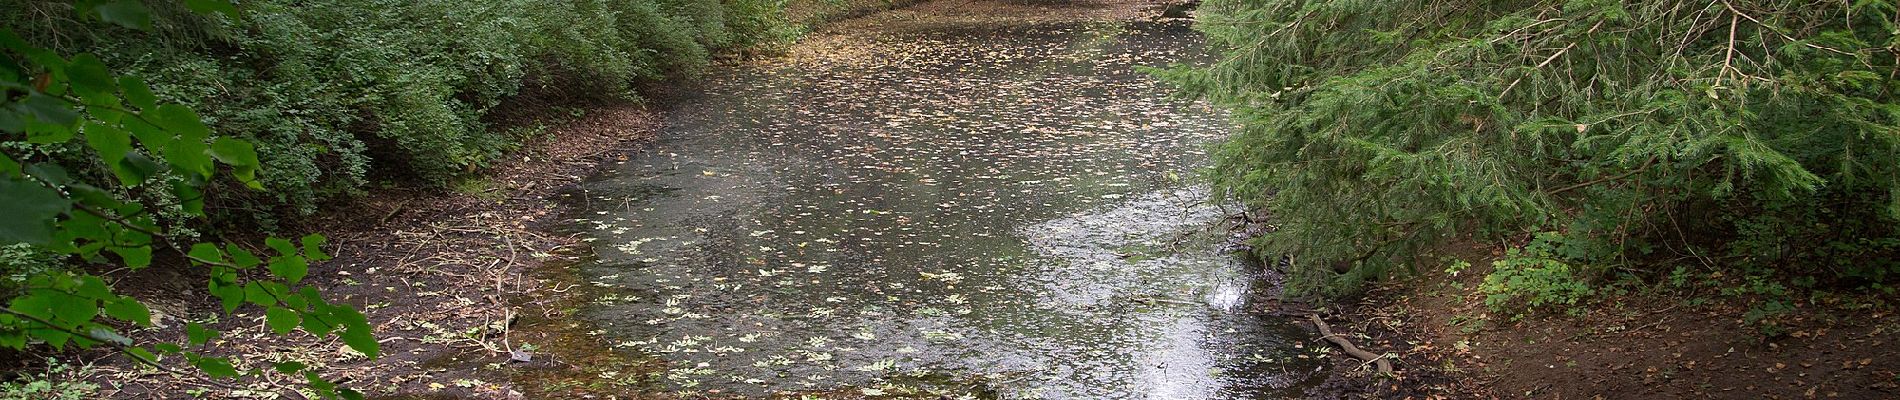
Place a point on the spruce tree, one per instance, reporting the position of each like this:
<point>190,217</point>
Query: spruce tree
<point>1757,132</point>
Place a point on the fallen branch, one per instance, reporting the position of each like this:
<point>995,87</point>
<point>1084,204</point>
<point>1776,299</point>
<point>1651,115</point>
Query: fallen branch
<point>1384,366</point>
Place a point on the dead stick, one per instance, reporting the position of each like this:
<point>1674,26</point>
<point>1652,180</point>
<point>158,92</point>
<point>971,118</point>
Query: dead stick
<point>1385,367</point>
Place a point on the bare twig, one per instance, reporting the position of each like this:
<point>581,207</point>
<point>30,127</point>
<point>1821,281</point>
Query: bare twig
<point>1547,60</point>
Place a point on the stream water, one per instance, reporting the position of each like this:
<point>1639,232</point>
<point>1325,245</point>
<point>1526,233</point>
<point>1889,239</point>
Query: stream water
<point>985,211</point>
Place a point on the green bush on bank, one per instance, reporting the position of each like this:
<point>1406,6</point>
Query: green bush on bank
<point>1534,279</point>
<point>339,93</point>
<point>1759,133</point>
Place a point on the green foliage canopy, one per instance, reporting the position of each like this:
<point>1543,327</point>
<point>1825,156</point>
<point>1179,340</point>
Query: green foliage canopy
<point>1373,130</point>
<point>339,93</point>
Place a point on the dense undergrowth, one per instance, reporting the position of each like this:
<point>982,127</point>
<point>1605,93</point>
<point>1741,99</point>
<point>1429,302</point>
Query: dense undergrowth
<point>339,94</point>
<point>1753,139</point>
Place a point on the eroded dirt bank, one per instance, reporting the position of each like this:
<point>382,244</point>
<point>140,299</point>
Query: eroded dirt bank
<point>1695,337</point>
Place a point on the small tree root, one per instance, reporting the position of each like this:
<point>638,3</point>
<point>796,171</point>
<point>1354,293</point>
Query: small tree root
<point>1379,361</point>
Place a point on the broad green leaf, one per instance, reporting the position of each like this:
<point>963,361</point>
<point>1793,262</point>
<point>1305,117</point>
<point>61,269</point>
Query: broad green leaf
<point>134,257</point>
<point>91,196</point>
<point>138,93</point>
<point>152,136</point>
<point>12,120</point>
<point>292,267</point>
<point>234,152</point>
<point>276,289</point>
<point>189,198</point>
<point>180,120</point>
<point>129,310</point>
<point>313,247</point>
<point>11,72</point>
<point>318,321</point>
<point>216,367</point>
<point>356,332</point>
<point>281,245</point>
<point>31,210</point>
<point>241,156</point>
<point>255,294</point>
<point>112,143</point>
<point>311,296</point>
<point>105,109</point>
<point>135,168</point>
<point>12,339</point>
<point>50,110</point>
<point>89,77</point>
<point>141,353</point>
<point>248,175</point>
<point>73,310</point>
<point>229,295</point>
<point>318,383</point>
<point>206,253</point>
<point>243,258</point>
<point>56,338</point>
<point>49,173</point>
<point>93,287</point>
<point>189,156</point>
<point>218,6</point>
<point>126,13</point>
<point>37,304</point>
<point>295,302</point>
<point>197,334</point>
<point>317,324</point>
<point>42,132</point>
<point>281,320</point>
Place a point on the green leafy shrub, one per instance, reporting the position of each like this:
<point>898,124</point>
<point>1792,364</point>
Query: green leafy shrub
<point>337,93</point>
<point>1643,130</point>
<point>1533,279</point>
<point>97,168</point>
<point>60,381</point>
<point>19,261</point>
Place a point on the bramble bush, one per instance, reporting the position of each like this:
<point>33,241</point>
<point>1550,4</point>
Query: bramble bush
<point>1747,132</point>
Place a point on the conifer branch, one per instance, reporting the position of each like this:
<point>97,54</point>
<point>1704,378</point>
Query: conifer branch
<point>1638,170</point>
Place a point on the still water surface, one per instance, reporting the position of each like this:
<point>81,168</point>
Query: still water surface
<point>994,211</point>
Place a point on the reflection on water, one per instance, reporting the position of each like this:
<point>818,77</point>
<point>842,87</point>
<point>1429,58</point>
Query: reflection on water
<point>976,210</point>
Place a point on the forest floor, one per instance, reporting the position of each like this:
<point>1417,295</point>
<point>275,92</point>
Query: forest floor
<point>453,282</point>
<point>1687,339</point>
